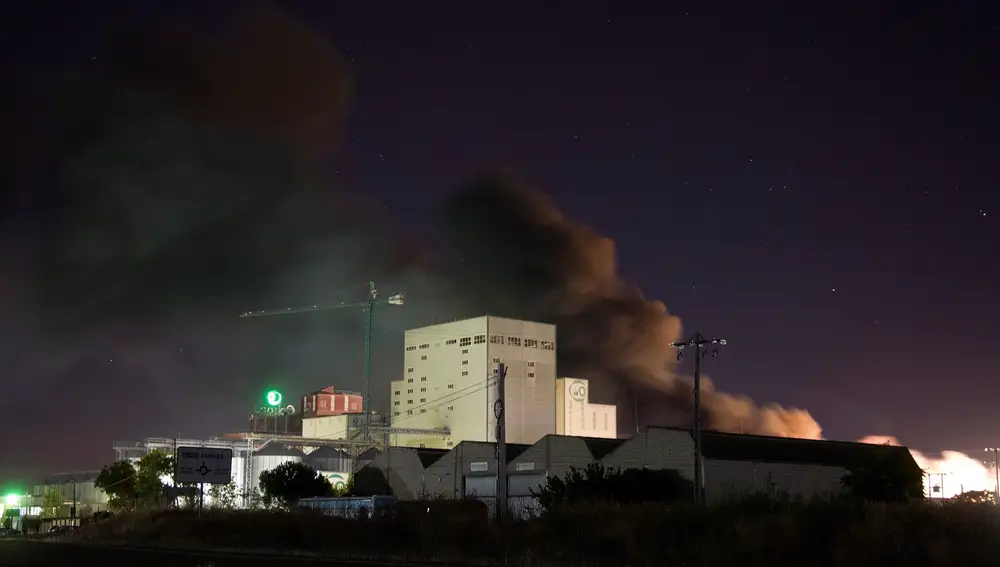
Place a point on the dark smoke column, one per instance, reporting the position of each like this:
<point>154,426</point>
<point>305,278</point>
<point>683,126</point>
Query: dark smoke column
<point>517,256</point>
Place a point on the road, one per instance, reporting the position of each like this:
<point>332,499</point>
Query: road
<point>27,553</point>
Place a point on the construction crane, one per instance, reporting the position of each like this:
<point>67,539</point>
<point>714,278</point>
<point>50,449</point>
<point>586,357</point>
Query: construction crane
<point>368,305</point>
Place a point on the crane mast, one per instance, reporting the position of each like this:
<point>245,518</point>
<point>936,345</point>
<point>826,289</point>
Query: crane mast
<point>369,306</point>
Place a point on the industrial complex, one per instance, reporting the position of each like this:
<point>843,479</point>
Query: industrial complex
<point>439,434</point>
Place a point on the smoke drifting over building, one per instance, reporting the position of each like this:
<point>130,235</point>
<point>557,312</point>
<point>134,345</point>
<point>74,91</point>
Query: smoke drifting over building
<point>180,182</point>
<point>520,257</point>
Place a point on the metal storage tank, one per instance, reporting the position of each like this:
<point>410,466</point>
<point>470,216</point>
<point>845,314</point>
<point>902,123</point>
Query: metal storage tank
<point>238,468</point>
<point>329,459</point>
<point>271,456</point>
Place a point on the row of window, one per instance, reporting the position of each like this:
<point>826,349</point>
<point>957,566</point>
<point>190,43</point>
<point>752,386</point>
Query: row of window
<point>409,402</point>
<point>410,391</point>
<point>410,412</point>
<point>531,364</point>
<point>494,339</point>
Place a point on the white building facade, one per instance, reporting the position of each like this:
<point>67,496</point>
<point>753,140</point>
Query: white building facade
<point>448,381</point>
<point>576,416</point>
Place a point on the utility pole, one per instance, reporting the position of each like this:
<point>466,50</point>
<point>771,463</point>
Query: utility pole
<point>498,411</point>
<point>996,472</point>
<point>699,343</point>
<point>930,485</point>
<point>369,306</point>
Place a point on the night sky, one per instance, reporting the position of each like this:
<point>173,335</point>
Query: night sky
<point>817,186</point>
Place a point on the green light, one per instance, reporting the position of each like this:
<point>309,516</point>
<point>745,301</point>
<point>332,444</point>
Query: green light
<point>273,398</point>
<point>13,499</point>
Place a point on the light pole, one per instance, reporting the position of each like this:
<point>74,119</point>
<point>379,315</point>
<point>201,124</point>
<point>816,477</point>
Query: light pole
<point>698,342</point>
<point>996,472</point>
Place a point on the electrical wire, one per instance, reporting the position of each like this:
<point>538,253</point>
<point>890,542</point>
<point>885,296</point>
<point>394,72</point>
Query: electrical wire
<point>435,403</point>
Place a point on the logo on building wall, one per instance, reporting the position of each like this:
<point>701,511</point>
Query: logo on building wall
<point>578,391</point>
<point>337,480</point>
<point>272,411</point>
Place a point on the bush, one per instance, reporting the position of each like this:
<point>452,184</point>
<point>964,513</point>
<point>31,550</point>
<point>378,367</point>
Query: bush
<point>597,483</point>
<point>838,533</point>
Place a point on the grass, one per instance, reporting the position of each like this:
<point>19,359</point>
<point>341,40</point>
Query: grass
<point>746,533</point>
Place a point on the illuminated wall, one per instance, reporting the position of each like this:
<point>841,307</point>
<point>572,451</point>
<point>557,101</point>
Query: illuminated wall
<point>330,402</point>
<point>446,381</point>
<point>576,416</point>
<point>327,427</point>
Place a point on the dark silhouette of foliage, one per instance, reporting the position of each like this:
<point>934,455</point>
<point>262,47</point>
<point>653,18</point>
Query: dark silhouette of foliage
<point>117,480</point>
<point>129,486</point>
<point>597,483</point>
<point>976,497</point>
<point>885,476</point>
<point>290,482</point>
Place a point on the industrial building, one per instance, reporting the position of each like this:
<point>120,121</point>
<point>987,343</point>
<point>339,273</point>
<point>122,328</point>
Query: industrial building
<point>255,453</point>
<point>331,414</point>
<point>76,489</point>
<point>575,415</point>
<point>448,377</point>
<point>734,464</point>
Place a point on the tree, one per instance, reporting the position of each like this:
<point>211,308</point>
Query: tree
<point>976,497</point>
<point>117,480</point>
<point>151,469</point>
<point>53,504</point>
<point>128,486</point>
<point>597,483</point>
<point>290,482</point>
<point>224,496</point>
<point>885,474</point>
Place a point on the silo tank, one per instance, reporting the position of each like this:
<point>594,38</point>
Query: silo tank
<point>271,457</point>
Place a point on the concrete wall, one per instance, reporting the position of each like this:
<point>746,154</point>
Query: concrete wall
<point>575,415</point>
<point>733,478</point>
<point>326,427</point>
<point>400,467</point>
<point>528,350</point>
<point>470,467</point>
<point>447,368</point>
<point>655,448</point>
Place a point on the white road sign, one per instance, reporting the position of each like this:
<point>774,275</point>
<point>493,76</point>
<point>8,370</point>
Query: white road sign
<point>202,464</point>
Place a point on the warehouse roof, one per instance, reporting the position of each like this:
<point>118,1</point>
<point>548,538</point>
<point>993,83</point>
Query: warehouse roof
<point>599,447</point>
<point>738,447</point>
<point>514,450</point>
<point>430,456</point>
<point>70,477</point>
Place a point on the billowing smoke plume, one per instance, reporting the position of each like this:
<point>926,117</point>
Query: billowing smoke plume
<point>180,182</point>
<point>949,475</point>
<point>162,191</point>
<point>518,256</point>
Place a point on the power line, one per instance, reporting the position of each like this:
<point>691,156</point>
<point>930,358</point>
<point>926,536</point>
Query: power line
<point>698,342</point>
<point>478,387</point>
<point>436,402</point>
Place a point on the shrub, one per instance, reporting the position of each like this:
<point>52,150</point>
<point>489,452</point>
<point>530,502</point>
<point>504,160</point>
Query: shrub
<point>597,483</point>
<point>836,533</point>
